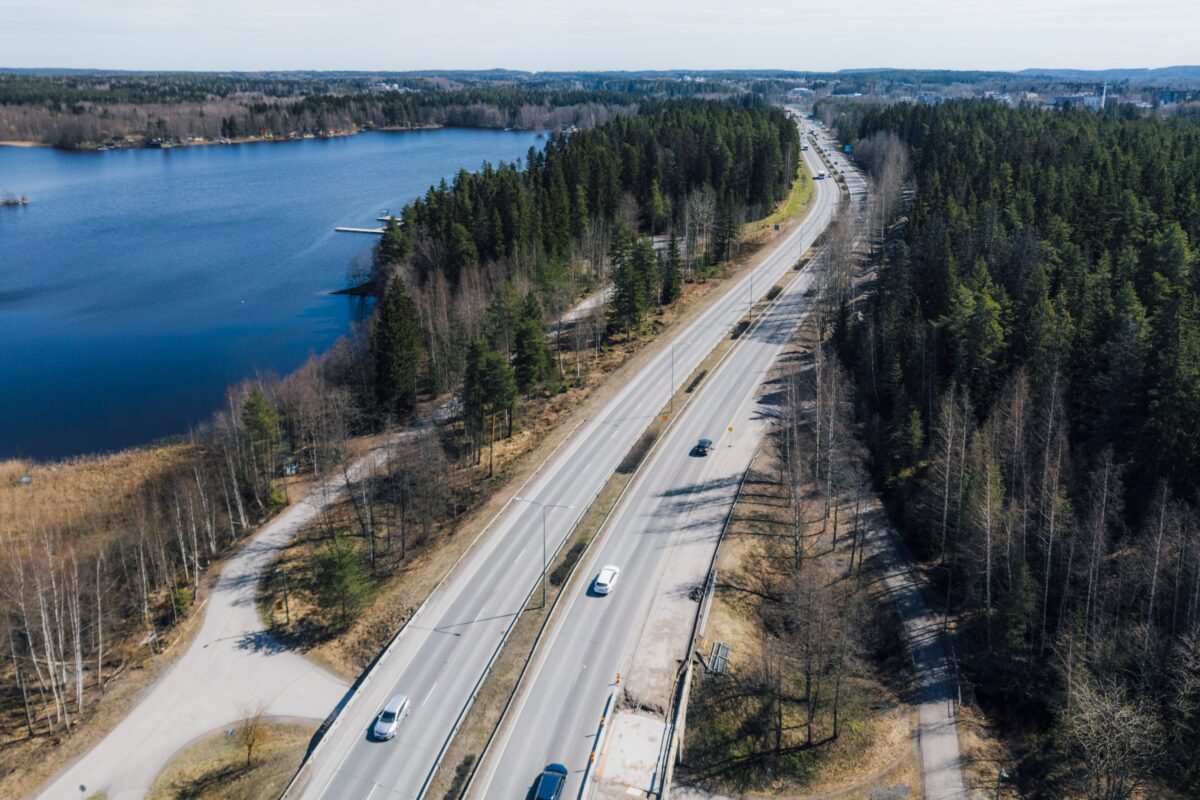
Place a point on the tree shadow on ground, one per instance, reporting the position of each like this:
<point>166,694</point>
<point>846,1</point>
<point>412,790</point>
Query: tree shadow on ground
<point>202,785</point>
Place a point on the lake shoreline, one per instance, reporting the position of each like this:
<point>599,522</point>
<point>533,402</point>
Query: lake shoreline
<point>183,276</point>
<point>93,147</point>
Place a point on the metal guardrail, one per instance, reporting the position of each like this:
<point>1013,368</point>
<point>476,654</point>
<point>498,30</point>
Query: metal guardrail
<point>339,713</point>
<point>597,745</point>
<point>616,504</point>
<point>570,576</point>
<point>666,762</point>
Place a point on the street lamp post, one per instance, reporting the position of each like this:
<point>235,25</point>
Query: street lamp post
<point>544,507</point>
<point>671,399</point>
<point>751,312</point>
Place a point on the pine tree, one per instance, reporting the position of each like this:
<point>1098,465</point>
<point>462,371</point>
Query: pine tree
<point>474,392</point>
<point>340,583</point>
<point>261,422</point>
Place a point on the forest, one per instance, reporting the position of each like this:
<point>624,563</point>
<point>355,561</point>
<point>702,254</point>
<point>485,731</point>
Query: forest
<point>1028,376</point>
<point>546,230</point>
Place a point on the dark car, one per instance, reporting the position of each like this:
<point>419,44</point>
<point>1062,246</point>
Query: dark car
<point>702,447</point>
<point>551,782</point>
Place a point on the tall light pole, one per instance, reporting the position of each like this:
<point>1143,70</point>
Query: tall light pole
<point>544,507</point>
<point>751,312</point>
<point>671,408</point>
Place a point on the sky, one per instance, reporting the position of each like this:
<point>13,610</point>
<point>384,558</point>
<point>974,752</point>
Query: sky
<point>597,35</point>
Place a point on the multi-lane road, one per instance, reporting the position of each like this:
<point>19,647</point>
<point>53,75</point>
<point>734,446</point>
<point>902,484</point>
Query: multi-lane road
<point>445,649</point>
<point>678,503</point>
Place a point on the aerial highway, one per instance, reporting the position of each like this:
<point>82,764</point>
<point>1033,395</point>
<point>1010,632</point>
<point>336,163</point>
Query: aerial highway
<point>441,654</point>
<point>680,498</point>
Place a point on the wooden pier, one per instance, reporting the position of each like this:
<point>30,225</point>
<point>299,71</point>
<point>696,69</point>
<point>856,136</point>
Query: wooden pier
<point>376,231</point>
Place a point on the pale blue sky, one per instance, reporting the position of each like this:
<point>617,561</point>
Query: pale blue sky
<point>589,34</point>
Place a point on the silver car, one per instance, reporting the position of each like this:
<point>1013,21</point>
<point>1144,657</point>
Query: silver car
<point>389,719</point>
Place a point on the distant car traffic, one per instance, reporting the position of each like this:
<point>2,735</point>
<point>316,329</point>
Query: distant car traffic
<point>389,719</point>
<point>702,447</point>
<point>551,782</point>
<point>607,579</point>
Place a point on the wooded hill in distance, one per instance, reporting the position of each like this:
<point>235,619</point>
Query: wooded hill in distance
<point>1029,376</point>
<point>82,109</point>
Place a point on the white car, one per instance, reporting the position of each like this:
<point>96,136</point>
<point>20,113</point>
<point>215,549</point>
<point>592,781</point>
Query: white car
<point>389,719</point>
<point>607,579</point>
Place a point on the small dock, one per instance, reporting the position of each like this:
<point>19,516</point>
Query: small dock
<point>376,231</point>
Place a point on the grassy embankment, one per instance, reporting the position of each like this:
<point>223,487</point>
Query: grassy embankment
<point>797,200</point>
<point>215,767</point>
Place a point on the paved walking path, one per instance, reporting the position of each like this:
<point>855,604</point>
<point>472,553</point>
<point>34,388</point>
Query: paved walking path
<point>232,665</point>
<point>937,711</point>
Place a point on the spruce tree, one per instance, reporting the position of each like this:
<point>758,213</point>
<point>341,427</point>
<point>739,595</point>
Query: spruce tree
<point>629,286</point>
<point>672,273</point>
<point>396,346</point>
<point>531,352</point>
<point>393,247</point>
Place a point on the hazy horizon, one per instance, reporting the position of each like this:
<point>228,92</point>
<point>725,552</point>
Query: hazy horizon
<point>589,35</point>
<point>54,68</point>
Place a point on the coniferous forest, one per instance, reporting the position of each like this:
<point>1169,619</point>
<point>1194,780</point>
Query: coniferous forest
<point>1028,371</point>
<point>490,255</point>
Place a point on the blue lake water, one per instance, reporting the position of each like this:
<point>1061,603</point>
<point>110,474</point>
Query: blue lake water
<point>138,284</point>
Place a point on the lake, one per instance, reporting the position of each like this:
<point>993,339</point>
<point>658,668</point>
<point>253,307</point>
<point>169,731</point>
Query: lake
<point>138,284</point>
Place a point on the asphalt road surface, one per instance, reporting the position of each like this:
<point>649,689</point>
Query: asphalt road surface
<point>445,649</point>
<point>679,499</point>
<point>678,502</point>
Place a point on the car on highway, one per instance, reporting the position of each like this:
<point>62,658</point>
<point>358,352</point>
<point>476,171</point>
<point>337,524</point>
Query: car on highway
<point>702,447</point>
<point>389,719</point>
<point>607,579</point>
<point>550,783</point>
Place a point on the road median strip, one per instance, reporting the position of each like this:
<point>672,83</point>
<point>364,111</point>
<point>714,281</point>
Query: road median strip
<point>639,454</point>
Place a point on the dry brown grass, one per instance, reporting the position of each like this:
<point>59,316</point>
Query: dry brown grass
<point>214,768</point>
<point>78,491</point>
<point>82,498</point>
<point>983,754</point>
<point>27,763</point>
<point>877,746</point>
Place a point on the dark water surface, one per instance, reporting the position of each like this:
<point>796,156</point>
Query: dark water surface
<point>138,284</point>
